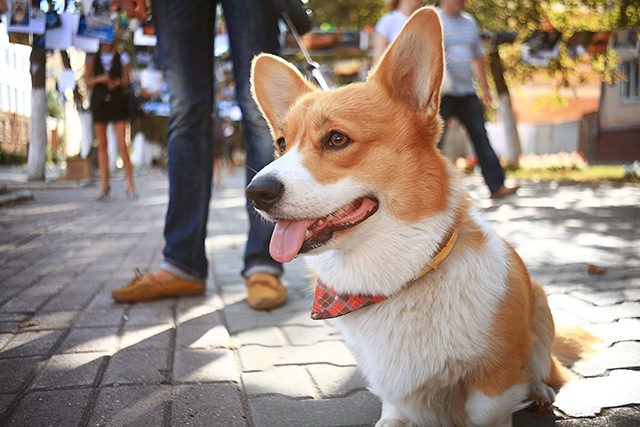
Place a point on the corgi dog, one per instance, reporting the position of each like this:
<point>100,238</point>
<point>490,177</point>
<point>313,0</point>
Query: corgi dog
<point>439,312</point>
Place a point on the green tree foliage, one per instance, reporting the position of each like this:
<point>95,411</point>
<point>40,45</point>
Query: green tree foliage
<point>347,14</point>
<point>572,19</point>
<point>523,17</point>
<point>55,108</point>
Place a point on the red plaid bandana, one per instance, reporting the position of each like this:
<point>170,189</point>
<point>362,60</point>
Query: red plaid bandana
<point>328,304</point>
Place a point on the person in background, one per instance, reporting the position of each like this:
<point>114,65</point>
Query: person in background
<point>390,24</point>
<point>462,49</point>
<point>463,52</point>
<point>185,31</point>
<point>107,75</point>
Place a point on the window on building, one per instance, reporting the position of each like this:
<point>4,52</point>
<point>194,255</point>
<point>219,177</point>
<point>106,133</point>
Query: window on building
<point>626,37</point>
<point>630,89</point>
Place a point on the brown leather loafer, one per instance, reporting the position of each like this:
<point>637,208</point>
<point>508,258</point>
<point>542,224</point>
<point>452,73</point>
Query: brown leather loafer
<point>503,192</point>
<point>147,288</point>
<point>265,292</point>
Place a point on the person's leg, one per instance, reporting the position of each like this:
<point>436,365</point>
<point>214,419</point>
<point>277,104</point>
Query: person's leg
<point>185,41</point>
<point>185,32</point>
<point>446,110</point>
<point>121,134</point>
<point>100,129</point>
<point>471,116</point>
<point>253,29</point>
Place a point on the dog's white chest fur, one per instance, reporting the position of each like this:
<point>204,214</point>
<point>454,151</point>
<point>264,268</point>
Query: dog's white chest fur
<point>426,334</point>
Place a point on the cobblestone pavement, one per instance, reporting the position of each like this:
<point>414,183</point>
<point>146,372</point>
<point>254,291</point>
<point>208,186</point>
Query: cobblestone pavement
<point>70,356</point>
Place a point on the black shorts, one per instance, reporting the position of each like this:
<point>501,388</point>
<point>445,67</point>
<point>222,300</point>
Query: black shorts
<point>112,109</point>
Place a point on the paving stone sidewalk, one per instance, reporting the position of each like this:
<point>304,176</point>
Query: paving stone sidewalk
<point>69,356</point>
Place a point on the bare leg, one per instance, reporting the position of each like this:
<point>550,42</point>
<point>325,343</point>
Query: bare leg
<point>100,129</point>
<point>121,129</point>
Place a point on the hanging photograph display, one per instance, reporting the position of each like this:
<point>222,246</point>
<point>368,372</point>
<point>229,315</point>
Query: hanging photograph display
<point>23,18</point>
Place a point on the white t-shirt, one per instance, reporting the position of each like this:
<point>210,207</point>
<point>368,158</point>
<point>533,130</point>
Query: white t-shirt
<point>390,24</point>
<point>462,46</point>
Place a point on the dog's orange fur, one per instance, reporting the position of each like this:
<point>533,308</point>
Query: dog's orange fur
<point>511,339</point>
<point>376,145</point>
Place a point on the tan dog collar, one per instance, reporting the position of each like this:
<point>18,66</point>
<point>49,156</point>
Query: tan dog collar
<point>329,304</point>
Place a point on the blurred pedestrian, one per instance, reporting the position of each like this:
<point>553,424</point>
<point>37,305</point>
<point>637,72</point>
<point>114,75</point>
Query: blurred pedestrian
<point>390,24</point>
<point>107,75</point>
<point>185,31</point>
<point>463,52</point>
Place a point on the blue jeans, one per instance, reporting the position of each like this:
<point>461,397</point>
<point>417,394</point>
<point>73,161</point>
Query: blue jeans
<point>470,113</point>
<point>185,31</point>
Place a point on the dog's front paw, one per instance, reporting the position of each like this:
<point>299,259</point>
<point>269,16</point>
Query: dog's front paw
<point>393,422</point>
<point>392,416</point>
<point>541,394</point>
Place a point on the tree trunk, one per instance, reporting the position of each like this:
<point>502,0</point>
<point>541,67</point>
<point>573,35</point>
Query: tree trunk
<point>37,155</point>
<point>505,109</point>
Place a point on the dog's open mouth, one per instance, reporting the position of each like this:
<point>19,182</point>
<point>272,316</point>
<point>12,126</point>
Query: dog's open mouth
<point>291,237</point>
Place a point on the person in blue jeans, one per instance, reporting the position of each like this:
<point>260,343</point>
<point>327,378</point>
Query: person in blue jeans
<point>463,50</point>
<point>185,32</point>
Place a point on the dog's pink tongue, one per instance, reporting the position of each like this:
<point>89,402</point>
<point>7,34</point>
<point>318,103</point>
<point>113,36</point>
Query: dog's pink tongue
<point>287,239</point>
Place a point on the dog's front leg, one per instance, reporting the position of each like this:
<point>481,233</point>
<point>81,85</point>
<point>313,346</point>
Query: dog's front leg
<point>392,417</point>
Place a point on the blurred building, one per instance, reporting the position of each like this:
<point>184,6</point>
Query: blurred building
<point>618,131</point>
<point>15,94</point>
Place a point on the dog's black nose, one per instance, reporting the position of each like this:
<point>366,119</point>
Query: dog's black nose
<point>265,192</point>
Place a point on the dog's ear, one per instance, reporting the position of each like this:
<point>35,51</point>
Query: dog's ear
<point>276,85</point>
<point>412,67</point>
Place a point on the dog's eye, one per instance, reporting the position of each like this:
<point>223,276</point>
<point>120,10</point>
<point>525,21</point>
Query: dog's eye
<point>337,139</point>
<point>282,145</point>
